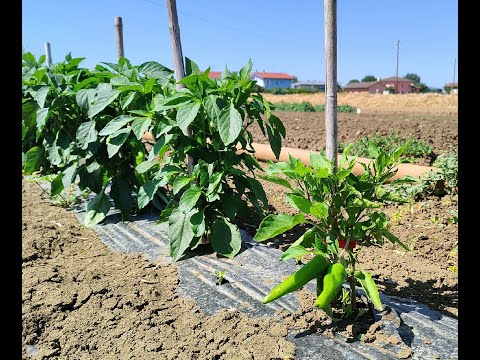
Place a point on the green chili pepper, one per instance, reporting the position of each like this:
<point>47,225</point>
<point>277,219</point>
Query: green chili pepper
<point>311,270</point>
<point>332,283</point>
<point>370,288</point>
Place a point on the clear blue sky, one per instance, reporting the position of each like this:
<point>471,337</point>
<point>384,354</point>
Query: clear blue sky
<point>279,36</point>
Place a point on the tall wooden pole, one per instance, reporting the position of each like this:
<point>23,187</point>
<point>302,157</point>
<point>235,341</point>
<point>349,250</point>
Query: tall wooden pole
<point>330,24</point>
<point>396,71</point>
<point>178,64</point>
<point>48,54</point>
<point>119,36</point>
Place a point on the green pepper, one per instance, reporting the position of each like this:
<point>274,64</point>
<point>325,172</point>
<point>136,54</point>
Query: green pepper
<point>137,148</point>
<point>311,270</point>
<point>370,288</point>
<point>332,283</point>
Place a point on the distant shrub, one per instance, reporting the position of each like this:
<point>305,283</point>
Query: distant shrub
<point>308,107</point>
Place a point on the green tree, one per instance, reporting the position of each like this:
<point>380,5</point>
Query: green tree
<point>414,77</point>
<point>353,81</point>
<point>369,78</point>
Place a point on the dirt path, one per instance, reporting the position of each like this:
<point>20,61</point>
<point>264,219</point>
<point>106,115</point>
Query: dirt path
<point>82,301</point>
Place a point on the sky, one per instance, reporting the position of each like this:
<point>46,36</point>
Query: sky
<point>278,36</point>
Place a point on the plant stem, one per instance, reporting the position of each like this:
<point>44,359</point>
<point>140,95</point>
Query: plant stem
<point>353,292</point>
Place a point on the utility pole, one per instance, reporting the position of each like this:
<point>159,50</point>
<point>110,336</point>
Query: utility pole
<point>330,25</point>
<point>119,35</point>
<point>396,72</point>
<point>454,65</point>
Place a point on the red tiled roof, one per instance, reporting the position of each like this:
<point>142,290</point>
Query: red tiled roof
<point>269,75</point>
<point>214,74</point>
<point>392,78</point>
<point>360,85</point>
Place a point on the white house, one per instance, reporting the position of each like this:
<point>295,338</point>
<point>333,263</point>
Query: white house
<point>269,80</point>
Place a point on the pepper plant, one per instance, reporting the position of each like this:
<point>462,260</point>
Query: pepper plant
<point>88,124</point>
<point>203,206</point>
<point>344,212</point>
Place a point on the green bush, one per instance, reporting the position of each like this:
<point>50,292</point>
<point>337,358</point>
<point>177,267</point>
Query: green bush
<point>305,106</point>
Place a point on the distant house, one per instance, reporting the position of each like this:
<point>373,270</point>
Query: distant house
<point>371,87</point>
<point>317,85</point>
<point>403,86</point>
<point>451,88</point>
<point>269,80</point>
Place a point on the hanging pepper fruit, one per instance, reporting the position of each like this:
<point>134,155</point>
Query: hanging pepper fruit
<point>311,270</point>
<point>332,283</point>
<point>370,288</point>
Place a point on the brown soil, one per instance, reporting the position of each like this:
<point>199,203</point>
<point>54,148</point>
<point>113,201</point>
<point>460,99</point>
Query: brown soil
<point>306,130</point>
<point>80,300</point>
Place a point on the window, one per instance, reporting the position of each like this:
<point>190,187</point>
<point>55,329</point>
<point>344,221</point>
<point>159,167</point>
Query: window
<point>276,82</point>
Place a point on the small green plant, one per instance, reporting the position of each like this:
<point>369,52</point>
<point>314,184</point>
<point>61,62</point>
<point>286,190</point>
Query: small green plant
<point>453,259</point>
<point>343,211</point>
<point>415,149</point>
<point>220,276</point>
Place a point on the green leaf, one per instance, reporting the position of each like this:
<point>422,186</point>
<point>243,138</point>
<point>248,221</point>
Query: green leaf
<point>226,239</point>
<point>121,193</point>
<point>394,239</point>
<point>257,188</point>
<point>84,97</point>
<point>116,140</point>
<point>56,186</point>
<point>42,117</point>
<point>69,174</point>
<point>179,183</point>
<point>294,252</point>
<point>116,124</point>
<point>97,209</point>
<point>140,125</point>
<point>373,149</point>
<point>321,164</point>
<point>276,123</point>
<point>148,87</point>
<point>246,71</point>
<point>276,180</point>
<point>84,83</point>
<point>189,198</point>
<point>154,70</point>
<point>53,154</point>
<point>299,202</point>
<point>214,181</point>
<point>186,114</point>
<point>126,100</point>
<point>211,107</point>
<point>173,101</point>
<point>146,192</point>
<point>86,134</point>
<point>180,232</point>
<point>274,225</point>
<point>191,67</point>
<point>104,96</point>
<point>145,166</point>
<point>198,223</point>
<point>161,145</point>
<point>33,160</point>
<point>275,141</point>
<point>41,95</point>
<point>229,124</point>
<point>320,210</point>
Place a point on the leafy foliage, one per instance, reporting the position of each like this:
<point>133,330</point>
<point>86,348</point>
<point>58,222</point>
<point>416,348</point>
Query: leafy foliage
<point>308,107</point>
<point>416,148</point>
<point>85,127</point>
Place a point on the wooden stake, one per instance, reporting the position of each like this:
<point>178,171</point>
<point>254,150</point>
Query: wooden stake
<point>119,36</point>
<point>48,54</point>
<point>330,24</point>
<point>178,63</point>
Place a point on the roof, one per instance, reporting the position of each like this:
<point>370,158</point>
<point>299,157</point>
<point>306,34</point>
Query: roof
<point>360,85</point>
<point>452,85</point>
<point>214,74</point>
<point>392,78</point>
<point>270,75</point>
